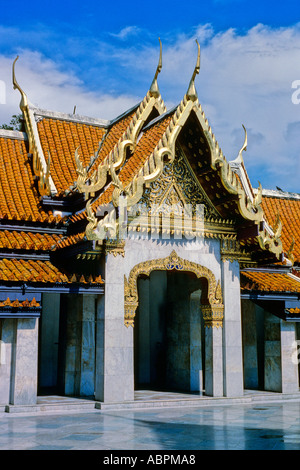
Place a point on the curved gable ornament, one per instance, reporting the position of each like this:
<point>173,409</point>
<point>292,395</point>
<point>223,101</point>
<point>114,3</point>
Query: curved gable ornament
<point>212,308</point>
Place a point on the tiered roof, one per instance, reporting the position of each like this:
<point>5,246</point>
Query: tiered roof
<point>61,138</point>
<point>287,206</point>
<point>62,168</point>
<point>270,282</point>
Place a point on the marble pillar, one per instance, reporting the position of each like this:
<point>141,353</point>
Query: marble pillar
<point>114,341</point>
<point>7,328</point>
<point>272,372</point>
<point>85,380</point>
<point>289,367</point>
<point>196,369</point>
<point>213,362</point>
<point>23,389</point>
<point>232,330</point>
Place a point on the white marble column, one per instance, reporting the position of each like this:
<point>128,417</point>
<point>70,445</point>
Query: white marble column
<point>232,330</point>
<point>272,371</point>
<point>213,362</point>
<point>114,341</point>
<point>86,377</point>
<point>289,367</point>
<point>196,369</point>
<point>6,348</point>
<point>24,367</point>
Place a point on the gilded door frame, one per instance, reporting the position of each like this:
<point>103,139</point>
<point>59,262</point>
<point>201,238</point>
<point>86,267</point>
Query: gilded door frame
<point>211,305</point>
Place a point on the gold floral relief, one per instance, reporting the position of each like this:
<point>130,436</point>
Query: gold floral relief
<point>213,308</point>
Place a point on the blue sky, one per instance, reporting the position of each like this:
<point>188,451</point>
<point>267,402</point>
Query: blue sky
<point>101,57</point>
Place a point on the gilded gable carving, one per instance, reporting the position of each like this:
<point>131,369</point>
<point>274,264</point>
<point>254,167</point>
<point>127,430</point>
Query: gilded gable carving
<point>177,185</point>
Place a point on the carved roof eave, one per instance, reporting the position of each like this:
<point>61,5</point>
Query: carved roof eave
<point>116,158</point>
<point>249,208</point>
<point>89,185</point>
<point>41,164</point>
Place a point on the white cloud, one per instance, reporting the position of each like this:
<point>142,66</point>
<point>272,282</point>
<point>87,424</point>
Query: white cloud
<point>126,32</point>
<point>47,87</point>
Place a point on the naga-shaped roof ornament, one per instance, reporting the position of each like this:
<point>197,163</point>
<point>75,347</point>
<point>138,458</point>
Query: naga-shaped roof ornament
<point>24,101</point>
<point>239,158</point>
<point>154,90</point>
<point>40,165</point>
<point>192,93</point>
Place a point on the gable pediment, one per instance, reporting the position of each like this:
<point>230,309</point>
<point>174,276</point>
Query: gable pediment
<point>178,186</point>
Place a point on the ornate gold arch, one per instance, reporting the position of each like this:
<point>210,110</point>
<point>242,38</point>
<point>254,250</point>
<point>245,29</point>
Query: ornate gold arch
<point>212,305</point>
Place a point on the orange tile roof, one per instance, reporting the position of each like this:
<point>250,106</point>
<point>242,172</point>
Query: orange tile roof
<point>69,240</point>
<point>294,310</point>
<point>19,198</point>
<point>61,138</point>
<point>13,240</point>
<point>112,137</point>
<point>289,213</point>
<point>268,282</point>
<point>143,150</point>
<point>15,270</point>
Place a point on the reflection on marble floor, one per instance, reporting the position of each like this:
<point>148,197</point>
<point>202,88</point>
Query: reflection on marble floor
<point>239,427</point>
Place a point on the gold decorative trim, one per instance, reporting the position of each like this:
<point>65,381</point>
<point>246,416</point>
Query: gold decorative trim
<point>249,208</point>
<point>41,167</point>
<point>212,315</point>
<point>231,250</point>
<point>115,247</point>
<point>192,93</point>
<point>212,300</point>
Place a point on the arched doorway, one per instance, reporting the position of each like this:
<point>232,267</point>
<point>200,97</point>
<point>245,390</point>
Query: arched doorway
<point>170,301</point>
<point>169,341</point>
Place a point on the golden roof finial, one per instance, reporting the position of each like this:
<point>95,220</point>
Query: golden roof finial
<point>23,102</point>
<point>289,254</point>
<point>154,91</point>
<point>239,158</point>
<point>192,93</point>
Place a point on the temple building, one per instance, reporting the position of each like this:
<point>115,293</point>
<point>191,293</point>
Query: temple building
<point>135,256</point>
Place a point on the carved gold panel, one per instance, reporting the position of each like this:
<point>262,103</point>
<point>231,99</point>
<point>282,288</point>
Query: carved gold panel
<point>212,308</point>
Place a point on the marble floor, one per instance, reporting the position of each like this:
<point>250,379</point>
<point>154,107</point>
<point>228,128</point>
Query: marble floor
<point>272,426</point>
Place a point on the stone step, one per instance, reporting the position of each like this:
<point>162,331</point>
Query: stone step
<point>52,407</point>
<point>65,404</point>
<point>196,402</point>
<point>275,397</point>
<point>199,402</point>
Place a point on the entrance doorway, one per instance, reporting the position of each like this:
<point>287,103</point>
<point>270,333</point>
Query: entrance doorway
<point>49,346</point>
<point>169,340</point>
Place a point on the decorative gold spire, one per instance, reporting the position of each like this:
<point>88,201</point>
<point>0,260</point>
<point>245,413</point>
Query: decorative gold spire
<point>258,198</point>
<point>24,101</point>
<point>154,90</point>
<point>278,227</point>
<point>192,93</point>
<point>239,158</point>
<point>289,254</point>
